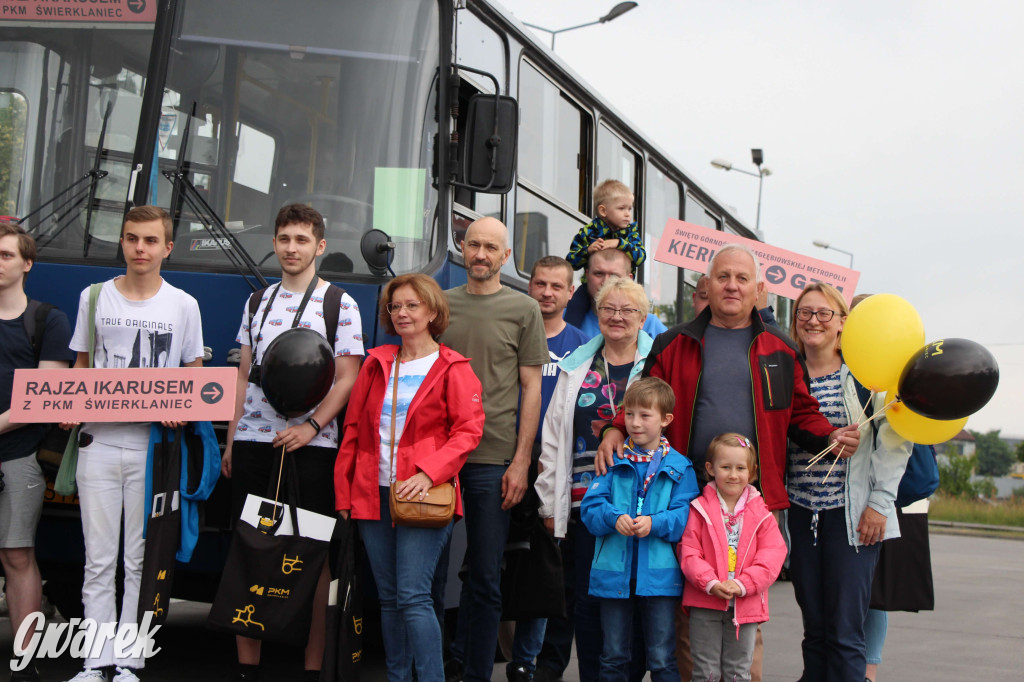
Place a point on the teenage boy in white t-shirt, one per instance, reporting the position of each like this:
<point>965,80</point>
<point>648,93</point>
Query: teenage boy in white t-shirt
<point>257,433</point>
<point>141,321</point>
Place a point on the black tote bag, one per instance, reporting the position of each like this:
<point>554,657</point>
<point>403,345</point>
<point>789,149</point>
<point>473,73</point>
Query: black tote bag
<point>163,528</point>
<point>344,632</point>
<point>266,590</point>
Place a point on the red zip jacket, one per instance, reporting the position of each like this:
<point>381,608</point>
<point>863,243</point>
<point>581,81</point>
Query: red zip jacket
<point>783,404</point>
<point>444,423</point>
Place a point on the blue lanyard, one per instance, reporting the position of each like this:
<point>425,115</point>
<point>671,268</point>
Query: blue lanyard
<point>652,470</point>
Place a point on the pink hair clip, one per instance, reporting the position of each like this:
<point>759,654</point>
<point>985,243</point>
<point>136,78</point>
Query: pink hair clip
<point>745,442</point>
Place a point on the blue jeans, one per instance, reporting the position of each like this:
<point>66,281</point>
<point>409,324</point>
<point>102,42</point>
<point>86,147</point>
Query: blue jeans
<point>657,614</point>
<point>875,628</point>
<point>480,602</point>
<point>832,583</point>
<point>527,642</point>
<point>403,561</point>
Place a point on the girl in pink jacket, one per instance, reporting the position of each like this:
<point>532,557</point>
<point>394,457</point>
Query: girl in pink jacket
<point>732,551</point>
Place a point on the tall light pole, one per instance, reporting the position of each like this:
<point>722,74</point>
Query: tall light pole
<point>614,13</point>
<point>826,245</point>
<point>758,158</point>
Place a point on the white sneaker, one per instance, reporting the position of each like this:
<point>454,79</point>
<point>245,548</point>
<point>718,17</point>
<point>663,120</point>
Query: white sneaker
<point>89,675</point>
<point>125,675</point>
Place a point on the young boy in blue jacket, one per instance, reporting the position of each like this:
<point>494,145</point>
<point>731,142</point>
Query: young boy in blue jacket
<point>638,512</point>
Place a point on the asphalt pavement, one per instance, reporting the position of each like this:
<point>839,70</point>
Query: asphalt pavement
<point>975,633</point>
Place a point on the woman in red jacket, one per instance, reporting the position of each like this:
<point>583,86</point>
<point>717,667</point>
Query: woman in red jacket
<point>418,434</point>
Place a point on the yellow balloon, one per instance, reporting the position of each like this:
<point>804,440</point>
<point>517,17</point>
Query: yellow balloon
<point>879,337</point>
<point>918,429</point>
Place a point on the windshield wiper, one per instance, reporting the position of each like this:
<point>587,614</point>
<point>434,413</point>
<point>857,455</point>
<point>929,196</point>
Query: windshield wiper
<point>226,241</point>
<point>79,195</point>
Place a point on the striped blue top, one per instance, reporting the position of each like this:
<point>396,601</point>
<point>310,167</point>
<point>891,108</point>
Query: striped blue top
<point>808,487</point>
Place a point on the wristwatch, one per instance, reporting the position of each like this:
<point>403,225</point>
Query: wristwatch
<point>312,422</point>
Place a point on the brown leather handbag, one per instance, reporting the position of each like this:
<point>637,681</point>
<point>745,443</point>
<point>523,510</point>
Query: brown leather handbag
<point>437,508</point>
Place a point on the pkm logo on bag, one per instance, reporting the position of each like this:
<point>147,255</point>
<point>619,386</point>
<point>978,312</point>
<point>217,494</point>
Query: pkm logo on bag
<point>278,592</point>
<point>289,566</point>
<point>257,590</point>
<point>158,612</point>
<point>161,575</point>
<point>247,612</point>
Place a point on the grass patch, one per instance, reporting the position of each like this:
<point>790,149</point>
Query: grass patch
<point>965,510</point>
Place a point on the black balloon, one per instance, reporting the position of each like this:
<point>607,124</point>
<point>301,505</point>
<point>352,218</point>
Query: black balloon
<point>297,371</point>
<point>949,379</point>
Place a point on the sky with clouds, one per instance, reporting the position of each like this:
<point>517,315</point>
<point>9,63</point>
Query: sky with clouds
<point>892,129</point>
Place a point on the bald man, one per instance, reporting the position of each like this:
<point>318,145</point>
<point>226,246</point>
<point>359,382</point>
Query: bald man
<point>502,333</point>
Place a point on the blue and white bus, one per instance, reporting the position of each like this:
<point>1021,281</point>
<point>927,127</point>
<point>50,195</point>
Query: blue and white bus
<point>222,111</point>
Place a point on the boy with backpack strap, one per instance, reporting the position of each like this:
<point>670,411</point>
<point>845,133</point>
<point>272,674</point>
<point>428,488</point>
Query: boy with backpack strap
<point>32,334</point>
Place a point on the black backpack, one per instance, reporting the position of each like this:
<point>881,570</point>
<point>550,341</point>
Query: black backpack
<point>34,320</point>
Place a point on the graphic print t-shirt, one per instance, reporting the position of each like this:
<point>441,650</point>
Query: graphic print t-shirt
<point>599,399</point>
<point>162,331</point>
<point>261,422</point>
<point>410,377</point>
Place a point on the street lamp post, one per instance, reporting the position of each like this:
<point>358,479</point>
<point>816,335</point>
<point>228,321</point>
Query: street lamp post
<point>826,245</point>
<point>614,13</point>
<point>757,156</point>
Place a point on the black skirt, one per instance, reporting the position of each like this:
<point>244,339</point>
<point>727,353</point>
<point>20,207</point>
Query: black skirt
<point>903,575</point>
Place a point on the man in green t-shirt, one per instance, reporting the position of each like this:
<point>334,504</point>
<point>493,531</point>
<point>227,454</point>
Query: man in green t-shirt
<point>502,333</point>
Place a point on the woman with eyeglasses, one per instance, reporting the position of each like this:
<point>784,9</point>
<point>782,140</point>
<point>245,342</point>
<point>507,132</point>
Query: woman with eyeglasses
<point>591,383</point>
<point>414,414</point>
<point>843,506</point>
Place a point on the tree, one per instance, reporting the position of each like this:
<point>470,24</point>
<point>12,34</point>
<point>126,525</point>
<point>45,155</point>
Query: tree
<point>993,454</point>
<point>1020,451</point>
<point>955,473</point>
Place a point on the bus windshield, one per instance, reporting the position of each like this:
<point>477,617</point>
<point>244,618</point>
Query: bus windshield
<point>265,103</point>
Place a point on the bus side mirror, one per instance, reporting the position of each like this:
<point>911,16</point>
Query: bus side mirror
<point>489,151</point>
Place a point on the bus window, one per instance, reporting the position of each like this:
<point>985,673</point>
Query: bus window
<point>486,50</point>
<point>697,214</point>
<point>617,161</point>
<point>13,119</point>
<point>662,281</point>
<point>541,229</point>
<point>553,142</point>
<point>82,89</point>
<point>336,112</point>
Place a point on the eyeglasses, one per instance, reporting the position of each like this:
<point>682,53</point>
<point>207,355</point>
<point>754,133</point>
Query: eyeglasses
<point>410,307</point>
<point>607,311</point>
<point>823,315</point>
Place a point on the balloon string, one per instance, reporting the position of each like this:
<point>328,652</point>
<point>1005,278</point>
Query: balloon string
<point>838,457</point>
<point>864,407</point>
<point>818,457</point>
<point>881,412</point>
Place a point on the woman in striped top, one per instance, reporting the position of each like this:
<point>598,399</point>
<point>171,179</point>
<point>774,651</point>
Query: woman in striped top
<point>841,507</point>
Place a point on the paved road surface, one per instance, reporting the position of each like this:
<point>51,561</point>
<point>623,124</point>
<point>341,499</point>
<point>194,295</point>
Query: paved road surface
<point>975,633</point>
